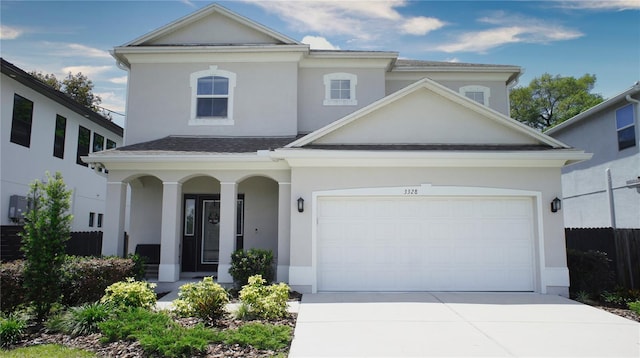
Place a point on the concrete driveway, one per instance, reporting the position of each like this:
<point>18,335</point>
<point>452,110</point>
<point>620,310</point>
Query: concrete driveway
<point>458,324</point>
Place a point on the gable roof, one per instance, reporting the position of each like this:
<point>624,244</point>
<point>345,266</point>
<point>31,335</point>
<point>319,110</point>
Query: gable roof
<point>61,98</point>
<point>634,90</point>
<point>202,13</point>
<point>430,85</point>
<point>206,144</point>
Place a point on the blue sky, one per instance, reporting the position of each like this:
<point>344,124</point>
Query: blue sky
<point>567,38</point>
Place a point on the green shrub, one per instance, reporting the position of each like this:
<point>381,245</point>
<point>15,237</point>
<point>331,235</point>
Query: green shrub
<point>621,296</point>
<point>634,306</point>
<point>260,336</point>
<point>11,281</point>
<point>85,279</point>
<point>245,264</point>
<point>11,330</point>
<point>130,293</point>
<point>80,321</point>
<point>205,299</point>
<point>47,228</point>
<point>157,333</point>
<point>265,301</point>
<point>589,271</point>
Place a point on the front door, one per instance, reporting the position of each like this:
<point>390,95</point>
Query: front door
<point>201,231</point>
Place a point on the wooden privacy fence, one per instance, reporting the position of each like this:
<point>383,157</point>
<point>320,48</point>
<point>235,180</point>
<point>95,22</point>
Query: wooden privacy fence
<point>621,245</point>
<point>81,243</point>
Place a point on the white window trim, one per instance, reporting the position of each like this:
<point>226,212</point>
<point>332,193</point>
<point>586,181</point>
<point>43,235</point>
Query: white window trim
<point>353,81</point>
<point>194,120</point>
<point>476,88</point>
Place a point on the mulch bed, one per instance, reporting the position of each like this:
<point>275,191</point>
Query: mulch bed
<point>622,312</point>
<point>132,349</point>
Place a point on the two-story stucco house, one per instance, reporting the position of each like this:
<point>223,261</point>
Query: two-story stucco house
<point>360,170</point>
<point>605,190</point>
<point>45,130</point>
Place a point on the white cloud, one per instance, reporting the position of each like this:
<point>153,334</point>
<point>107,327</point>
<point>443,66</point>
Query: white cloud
<point>82,50</point>
<point>319,43</point>
<point>9,33</point>
<point>421,25</point>
<point>615,5</point>
<point>90,71</point>
<point>510,29</point>
<point>187,2</point>
<point>361,20</point>
<point>119,80</point>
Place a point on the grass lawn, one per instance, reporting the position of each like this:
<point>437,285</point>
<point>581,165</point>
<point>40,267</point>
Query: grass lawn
<point>46,350</point>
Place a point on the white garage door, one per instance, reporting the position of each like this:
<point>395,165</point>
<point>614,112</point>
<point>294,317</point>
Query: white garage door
<point>425,244</point>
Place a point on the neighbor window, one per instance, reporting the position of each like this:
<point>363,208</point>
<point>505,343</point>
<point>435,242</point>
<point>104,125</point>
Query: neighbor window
<point>479,94</point>
<point>212,97</point>
<point>21,122</point>
<point>99,220</point>
<point>92,217</point>
<point>58,137</point>
<point>110,144</point>
<point>84,139</point>
<point>625,126</point>
<point>340,89</point>
<point>98,142</point>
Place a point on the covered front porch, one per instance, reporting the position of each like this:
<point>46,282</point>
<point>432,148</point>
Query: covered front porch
<point>200,219</point>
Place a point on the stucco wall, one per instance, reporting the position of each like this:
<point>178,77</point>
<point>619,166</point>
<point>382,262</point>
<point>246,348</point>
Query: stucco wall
<point>146,212</point>
<point>498,98</point>
<point>260,213</point>
<point>312,114</point>
<point>159,102</point>
<point>584,184</point>
<point>21,165</point>
<point>305,181</point>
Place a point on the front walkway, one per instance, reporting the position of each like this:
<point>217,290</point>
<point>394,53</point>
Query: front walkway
<point>458,324</point>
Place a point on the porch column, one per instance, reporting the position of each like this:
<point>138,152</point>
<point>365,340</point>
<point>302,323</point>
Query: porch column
<point>228,206</point>
<point>169,269</point>
<point>284,231</point>
<point>116,201</point>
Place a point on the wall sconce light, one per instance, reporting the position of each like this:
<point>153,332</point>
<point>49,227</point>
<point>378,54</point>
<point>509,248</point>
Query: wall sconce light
<point>300,205</point>
<point>556,204</point>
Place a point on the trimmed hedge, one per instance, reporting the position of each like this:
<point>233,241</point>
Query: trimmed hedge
<point>84,279</point>
<point>245,264</point>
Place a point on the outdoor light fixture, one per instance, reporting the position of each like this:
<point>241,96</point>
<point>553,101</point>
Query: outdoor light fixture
<point>300,205</point>
<point>556,204</point>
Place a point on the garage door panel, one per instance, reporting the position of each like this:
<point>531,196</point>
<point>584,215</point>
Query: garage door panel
<point>422,243</point>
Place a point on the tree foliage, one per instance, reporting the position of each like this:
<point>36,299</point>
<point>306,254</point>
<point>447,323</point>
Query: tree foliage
<point>550,100</point>
<point>78,86</point>
<point>47,228</point>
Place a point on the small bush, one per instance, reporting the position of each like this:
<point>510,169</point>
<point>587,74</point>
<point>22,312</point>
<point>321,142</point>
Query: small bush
<point>205,299</point>
<point>245,264</point>
<point>265,301</point>
<point>260,336</point>
<point>589,271</point>
<point>11,281</point>
<point>11,330</point>
<point>127,324</point>
<point>130,293</point>
<point>621,296</point>
<point>634,306</point>
<point>179,341</point>
<point>79,321</point>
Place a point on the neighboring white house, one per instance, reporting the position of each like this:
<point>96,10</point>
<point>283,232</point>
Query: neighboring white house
<point>45,130</point>
<point>360,170</point>
<point>603,191</point>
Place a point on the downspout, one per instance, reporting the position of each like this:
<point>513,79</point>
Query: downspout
<point>124,67</point>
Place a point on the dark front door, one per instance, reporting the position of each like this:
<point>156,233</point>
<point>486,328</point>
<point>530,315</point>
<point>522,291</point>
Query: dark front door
<point>201,231</point>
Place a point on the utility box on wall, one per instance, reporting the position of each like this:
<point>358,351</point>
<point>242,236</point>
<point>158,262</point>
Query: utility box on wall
<point>18,207</point>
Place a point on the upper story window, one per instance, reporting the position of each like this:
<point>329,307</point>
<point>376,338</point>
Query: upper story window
<point>84,139</point>
<point>340,89</point>
<point>212,97</point>
<point>110,144</point>
<point>58,136</point>
<point>21,122</point>
<point>479,94</point>
<point>98,142</point>
<point>625,126</point>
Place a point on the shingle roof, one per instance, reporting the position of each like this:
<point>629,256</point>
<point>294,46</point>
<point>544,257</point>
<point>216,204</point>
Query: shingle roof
<point>209,144</point>
<point>407,63</point>
<point>26,79</point>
